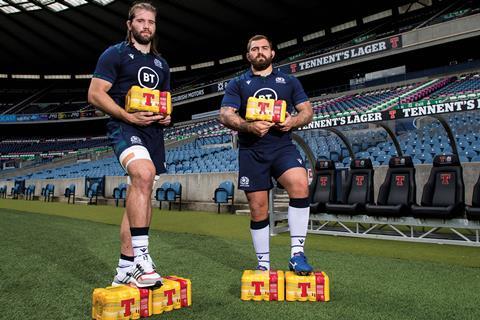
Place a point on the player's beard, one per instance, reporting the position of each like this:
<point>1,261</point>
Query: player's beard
<point>261,65</point>
<point>141,38</point>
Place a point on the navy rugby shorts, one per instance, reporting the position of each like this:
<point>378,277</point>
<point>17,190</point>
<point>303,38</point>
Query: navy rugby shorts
<point>123,136</point>
<point>257,167</point>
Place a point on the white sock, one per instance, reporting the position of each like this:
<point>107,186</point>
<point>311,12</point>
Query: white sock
<point>124,266</point>
<point>261,241</point>
<point>298,224</point>
<point>140,246</point>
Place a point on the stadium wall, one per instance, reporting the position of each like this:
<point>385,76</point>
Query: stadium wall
<point>199,187</point>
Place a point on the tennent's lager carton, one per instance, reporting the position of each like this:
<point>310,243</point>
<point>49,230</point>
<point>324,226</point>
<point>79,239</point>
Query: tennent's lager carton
<point>116,303</point>
<point>266,110</point>
<point>125,302</point>
<point>185,290</point>
<point>167,297</point>
<point>314,287</point>
<point>144,99</point>
<point>260,285</point>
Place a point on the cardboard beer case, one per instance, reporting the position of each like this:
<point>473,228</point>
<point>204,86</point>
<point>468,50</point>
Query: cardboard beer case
<point>314,287</point>
<point>266,109</point>
<point>260,285</point>
<point>145,99</point>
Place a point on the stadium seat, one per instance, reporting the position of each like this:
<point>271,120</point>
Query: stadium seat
<point>323,187</point>
<point>120,192</point>
<point>3,192</point>
<point>473,211</point>
<point>398,191</point>
<point>47,192</point>
<point>173,194</point>
<point>30,192</point>
<point>224,193</point>
<point>161,193</point>
<point>70,193</point>
<point>443,195</point>
<point>93,191</point>
<point>358,190</point>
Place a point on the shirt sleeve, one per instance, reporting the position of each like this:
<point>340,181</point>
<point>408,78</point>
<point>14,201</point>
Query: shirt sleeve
<point>298,94</point>
<point>107,64</point>
<point>232,96</point>
<point>166,82</point>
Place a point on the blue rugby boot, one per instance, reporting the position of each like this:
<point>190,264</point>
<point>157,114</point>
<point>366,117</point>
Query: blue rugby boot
<point>298,263</point>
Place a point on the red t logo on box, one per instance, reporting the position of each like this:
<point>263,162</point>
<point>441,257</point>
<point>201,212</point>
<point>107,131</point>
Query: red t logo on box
<point>127,304</point>
<point>257,285</point>
<point>169,294</point>
<point>148,98</point>
<point>263,107</point>
<point>304,286</point>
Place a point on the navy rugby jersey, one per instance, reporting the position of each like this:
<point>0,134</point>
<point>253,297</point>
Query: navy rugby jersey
<point>124,66</point>
<point>278,86</point>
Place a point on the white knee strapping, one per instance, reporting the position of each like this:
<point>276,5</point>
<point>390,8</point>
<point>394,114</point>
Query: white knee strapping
<point>139,152</point>
<point>155,181</point>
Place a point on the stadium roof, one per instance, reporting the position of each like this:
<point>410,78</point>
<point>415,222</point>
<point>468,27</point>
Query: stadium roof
<point>67,36</point>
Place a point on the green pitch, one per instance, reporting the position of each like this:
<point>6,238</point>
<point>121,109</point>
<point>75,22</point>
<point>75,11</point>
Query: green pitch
<point>53,255</point>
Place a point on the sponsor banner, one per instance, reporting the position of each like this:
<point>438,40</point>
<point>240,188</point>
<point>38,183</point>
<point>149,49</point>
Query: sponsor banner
<point>87,114</point>
<point>395,114</point>
<point>359,51</point>
<point>68,115</point>
<point>28,117</point>
<point>8,118</point>
<point>199,92</point>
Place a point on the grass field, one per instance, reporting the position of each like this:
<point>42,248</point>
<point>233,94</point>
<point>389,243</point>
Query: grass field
<point>54,255</point>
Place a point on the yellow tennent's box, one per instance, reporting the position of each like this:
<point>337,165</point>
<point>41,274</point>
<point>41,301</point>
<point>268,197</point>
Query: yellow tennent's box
<point>175,293</point>
<point>314,287</point>
<point>185,290</point>
<point>125,302</point>
<point>144,99</point>
<point>266,109</point>
<point>260,285</point>
<point>116,303</point>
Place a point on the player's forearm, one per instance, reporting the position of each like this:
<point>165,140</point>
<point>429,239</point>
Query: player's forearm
<point>233,121</point>
<point>104,102</point>
<point>302,118</point>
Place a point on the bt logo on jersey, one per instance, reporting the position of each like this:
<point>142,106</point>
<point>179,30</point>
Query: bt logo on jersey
<point>148,78</point>
<point>266,93</point>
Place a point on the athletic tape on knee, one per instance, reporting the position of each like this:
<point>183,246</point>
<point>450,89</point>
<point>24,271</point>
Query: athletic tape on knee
<point>155,179</point>
<point>299,202</point>
<point>139,152</point>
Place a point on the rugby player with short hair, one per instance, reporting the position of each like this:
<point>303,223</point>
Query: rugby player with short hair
<point>266,150</point>
<point>137,138</point>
